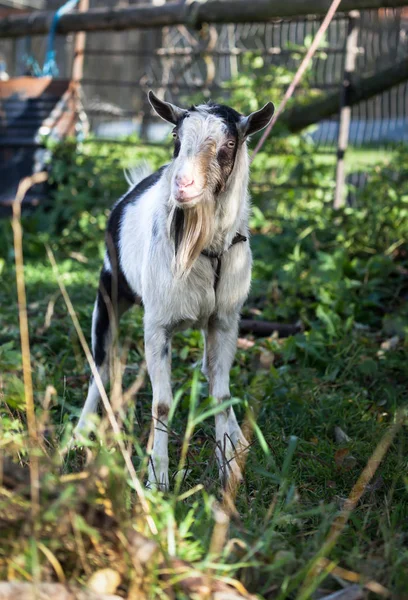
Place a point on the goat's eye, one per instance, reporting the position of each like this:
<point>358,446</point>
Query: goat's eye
<point>174,134</point>
<point>230,144</point>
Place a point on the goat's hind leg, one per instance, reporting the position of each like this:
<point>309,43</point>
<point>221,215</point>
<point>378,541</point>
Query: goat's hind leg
<point>104,323</point>
<point>100,349</point>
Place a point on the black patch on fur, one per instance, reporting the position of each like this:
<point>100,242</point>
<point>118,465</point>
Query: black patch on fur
<point>131,197</point>
<point>162,411</point>
<point>226,156</point>
<point>101,330</point>
<point>226,159</point>
<point>177,227</point>
<point>122,296</point>
<point>102,322</point>
<point>114,225</point>
<point>228,115</point>
<point>165,350</point>
<point>177,143</point>
<point>171,327</point>
<point>177,146</point>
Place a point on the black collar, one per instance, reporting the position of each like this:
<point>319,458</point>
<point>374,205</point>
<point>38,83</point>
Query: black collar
<point>238,237</point>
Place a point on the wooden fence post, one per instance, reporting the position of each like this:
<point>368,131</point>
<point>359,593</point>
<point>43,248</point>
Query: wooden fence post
<point>345,106</point>
<point>79,49</point>
<point>77,72</point>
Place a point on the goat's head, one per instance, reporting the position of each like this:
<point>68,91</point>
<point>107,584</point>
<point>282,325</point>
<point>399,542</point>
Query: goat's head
<point>207,141</point>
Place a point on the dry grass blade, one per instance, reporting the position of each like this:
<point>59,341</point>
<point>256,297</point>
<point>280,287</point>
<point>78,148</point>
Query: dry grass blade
<point>53,560</point>
<point>23,188</point>
<point>136,385</point>
<point>105,400</point>
<point>353,577</point>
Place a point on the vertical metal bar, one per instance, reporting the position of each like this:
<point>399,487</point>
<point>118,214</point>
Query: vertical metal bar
<point>345,108</point>
<point>77,72</point>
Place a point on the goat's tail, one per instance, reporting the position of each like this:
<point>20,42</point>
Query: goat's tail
<point>136,174</point>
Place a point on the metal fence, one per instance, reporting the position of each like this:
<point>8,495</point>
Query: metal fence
<point>180,62</point>
<point>120,67</point>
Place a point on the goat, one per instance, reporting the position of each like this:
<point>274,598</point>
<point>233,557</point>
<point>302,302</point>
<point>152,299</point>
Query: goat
<point>178,242</point>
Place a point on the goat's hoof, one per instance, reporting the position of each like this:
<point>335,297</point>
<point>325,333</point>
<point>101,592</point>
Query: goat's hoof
<point>231,475</point>
<point>77,440</point>
<point>235,472</point>
<point>77,445</point>
<point>153,484</point>
<point>157,480</point>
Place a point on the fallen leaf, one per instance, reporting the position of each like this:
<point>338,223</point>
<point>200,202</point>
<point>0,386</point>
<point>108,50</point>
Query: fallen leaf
<point>104,581</point>
<point>340,455</point>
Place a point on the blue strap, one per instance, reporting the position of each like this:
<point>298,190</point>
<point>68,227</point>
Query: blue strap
<point>50,64</point>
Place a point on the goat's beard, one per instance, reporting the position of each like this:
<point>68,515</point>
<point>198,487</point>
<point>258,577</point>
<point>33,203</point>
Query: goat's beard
<point>192,229</point>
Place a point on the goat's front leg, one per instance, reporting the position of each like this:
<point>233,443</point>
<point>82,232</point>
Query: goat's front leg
<point>158,358</point>
<point>221,343</point>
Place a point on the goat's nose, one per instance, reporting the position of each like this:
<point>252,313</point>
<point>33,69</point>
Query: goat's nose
<point>184,181</point>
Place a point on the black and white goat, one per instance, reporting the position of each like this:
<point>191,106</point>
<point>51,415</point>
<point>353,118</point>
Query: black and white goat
<point>178,242</point>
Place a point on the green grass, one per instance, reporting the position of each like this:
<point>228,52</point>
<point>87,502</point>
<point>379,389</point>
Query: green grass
<point>344,276</point>
<point>356,158</point>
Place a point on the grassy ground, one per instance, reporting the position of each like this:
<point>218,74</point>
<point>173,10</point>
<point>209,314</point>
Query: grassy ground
<point>343,276</point>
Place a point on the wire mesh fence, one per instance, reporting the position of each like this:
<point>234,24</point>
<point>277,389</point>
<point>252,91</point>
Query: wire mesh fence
<point>179,63</point>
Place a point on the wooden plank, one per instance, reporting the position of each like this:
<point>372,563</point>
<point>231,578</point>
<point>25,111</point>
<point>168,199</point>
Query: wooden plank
<point>33,87</point>
<point>177,13</point>
<point>363,88</point>
<point>79,48</point>
<point>24,4</point>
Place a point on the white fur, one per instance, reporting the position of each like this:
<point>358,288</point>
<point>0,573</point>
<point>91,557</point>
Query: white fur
<point>170,301</point>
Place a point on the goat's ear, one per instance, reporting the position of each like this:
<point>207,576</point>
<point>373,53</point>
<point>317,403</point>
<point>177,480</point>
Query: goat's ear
<point>165,110</point>
<point>257,120</point>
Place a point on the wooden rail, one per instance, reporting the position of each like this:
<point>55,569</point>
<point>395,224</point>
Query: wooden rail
<point>361,88</point>
<point>175,13</point>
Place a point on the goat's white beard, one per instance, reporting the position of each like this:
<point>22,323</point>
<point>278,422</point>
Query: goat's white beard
<point>198,231</point>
